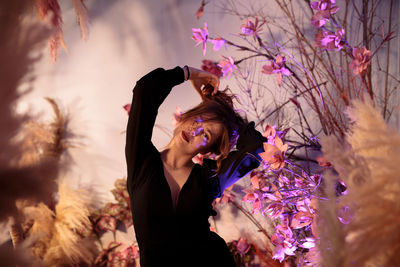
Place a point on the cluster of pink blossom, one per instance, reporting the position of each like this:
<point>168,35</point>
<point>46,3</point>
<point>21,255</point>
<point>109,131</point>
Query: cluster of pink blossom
<point>111,257</point>
<point>280,189</point>
<point>285,193</point>
<point>336,40</point>
<point>107,219</point>
<point>112,213</point>
<point>226,66</point>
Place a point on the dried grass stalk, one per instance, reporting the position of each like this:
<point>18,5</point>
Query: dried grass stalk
<point>82,16</point>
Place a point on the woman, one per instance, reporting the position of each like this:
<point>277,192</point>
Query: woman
<point>170,195</point>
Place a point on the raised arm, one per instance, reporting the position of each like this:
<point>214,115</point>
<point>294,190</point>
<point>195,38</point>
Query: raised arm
<point>148,94</point>
<point>241,161</point>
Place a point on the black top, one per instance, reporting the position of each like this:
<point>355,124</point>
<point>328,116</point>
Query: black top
<point>180,236</point>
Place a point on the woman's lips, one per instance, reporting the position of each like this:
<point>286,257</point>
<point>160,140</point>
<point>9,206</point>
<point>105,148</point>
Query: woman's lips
<point>185,136</point>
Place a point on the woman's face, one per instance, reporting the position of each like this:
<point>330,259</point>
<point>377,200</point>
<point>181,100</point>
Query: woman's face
<point>195,136</point>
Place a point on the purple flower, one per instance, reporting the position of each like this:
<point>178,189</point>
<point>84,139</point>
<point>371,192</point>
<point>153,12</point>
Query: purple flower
<point>277,66</point>
<point>325,9</point>
<point>250,28</point>
<point>283,241</point>
<point>227,66</point>
<point>330,41</point>
<point>218,43</point>
<point>201,37</point>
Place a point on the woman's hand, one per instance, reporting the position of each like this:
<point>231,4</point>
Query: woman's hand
<point>200,78</point>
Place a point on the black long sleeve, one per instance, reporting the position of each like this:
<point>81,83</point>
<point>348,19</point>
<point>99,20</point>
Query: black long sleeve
<point>149,93</point>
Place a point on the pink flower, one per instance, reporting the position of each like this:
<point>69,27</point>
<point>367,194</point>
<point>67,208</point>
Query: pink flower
<point>283,241</point>
<point>112,209</point>
<point>131,252</point>
<point>308,242</point>
<point>361,61</point>
<point>242,246</point>
<point>227,196</point>
<point>273,156</point>
<point>323,162</point>
<point>330,41</point>
<point>274,209</point>
<point>254,181</point>
<point>176,116</point>
<point>107,223</point>
<point>325,9</point>
<point>227,66</point>
<point>200,11</point>
<point>277,66</point>
<point>218,43</point>
<point>250,28</point>
<point>201,37</point>
<point>301,219</point>
<point>211,67</point>
<point>127,107</point>
<point>270,134</point>
<point>198,159</point>
<point>254,198</point>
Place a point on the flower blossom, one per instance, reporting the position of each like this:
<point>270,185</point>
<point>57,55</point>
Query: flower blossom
<point>200,11</point>
<point>276,207</point>
<point>211,67</point>
<point>201,37</point>
<point>361,61</point>
<point>302,218</point>
<point>325,9</point>
<point>106,223</point>
<point>277,66</point>
<point>175,118</point>
<point>227,66</point>
<point>242,246</point>
<point>255,198</point>
<point>283,241</point>
<point>125,257</point>
<point>250,28</point>
<point>274,150</point>
<point>330,41</point>
<point>127,107</point>
<point>218,43</point>
<point>227,196</point>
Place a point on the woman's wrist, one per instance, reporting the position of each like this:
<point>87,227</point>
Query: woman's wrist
<point>186,72</point>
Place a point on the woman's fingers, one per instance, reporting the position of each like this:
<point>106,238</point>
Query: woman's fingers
<point>215,84</point>
<point>200,78</point>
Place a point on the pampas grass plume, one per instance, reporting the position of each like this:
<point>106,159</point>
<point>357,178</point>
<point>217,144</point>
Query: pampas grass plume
<point>368,163</point>
<point>59,239</point>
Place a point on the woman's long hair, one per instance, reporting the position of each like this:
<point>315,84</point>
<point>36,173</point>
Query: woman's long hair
<point>218,108</point>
